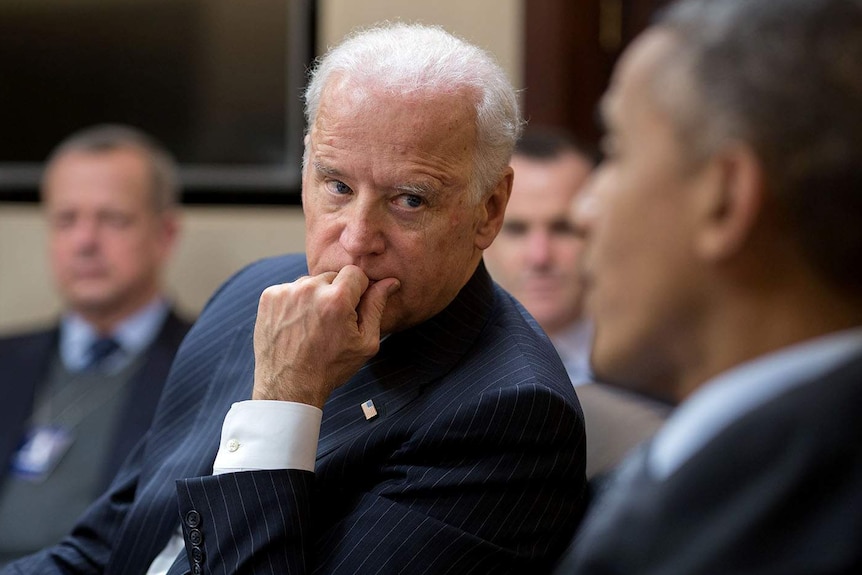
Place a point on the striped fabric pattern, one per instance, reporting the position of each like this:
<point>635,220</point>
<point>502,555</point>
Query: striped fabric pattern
<point>474,463</point>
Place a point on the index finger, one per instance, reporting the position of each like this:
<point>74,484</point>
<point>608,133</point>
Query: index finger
<point>353,279</point>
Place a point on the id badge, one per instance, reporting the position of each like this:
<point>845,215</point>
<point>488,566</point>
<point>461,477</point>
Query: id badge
<point>40,452</point>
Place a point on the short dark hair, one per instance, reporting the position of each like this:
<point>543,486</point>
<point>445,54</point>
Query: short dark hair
<point>109,137</point>
<point>546,142</point>
<point>785,77</point>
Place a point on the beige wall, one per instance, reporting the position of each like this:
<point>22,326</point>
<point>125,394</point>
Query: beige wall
<point>491,24</point>
<point>217,241</point>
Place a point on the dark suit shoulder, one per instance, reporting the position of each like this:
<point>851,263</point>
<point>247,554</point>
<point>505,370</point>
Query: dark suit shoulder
<point>777,491</point>
<point>514,334</point>
<point>816,420</point>
<point>38,337</point>
<point>25,355</point>
<point>799,456</point>
<point>24,360</point>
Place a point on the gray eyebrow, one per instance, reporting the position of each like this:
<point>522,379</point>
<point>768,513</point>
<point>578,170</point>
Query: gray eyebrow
<point>326,170</point>
<point>418,188</point>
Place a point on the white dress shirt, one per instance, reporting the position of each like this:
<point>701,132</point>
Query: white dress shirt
<point>257,435</point>
<point>573,345</point>
<point>134,334</point>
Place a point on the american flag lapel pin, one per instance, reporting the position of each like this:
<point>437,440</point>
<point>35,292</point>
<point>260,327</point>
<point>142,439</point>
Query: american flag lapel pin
<point>369,410</point>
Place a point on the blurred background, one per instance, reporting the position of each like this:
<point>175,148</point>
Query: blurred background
<point>219,82</point>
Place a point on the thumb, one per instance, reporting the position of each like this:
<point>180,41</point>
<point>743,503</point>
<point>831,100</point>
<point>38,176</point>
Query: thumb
<point>372,304</point>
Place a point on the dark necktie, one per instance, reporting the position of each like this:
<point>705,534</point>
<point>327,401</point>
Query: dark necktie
<point>100,350</point>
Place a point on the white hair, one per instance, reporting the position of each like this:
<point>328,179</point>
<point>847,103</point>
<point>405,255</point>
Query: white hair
<point>407,58</point>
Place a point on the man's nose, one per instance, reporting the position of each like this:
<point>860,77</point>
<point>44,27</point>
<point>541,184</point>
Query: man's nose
<point>539,247</point>
<point>363,230</point>
<point>85,233</point>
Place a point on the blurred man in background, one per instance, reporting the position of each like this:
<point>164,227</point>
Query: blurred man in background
<point>536,254</point>
<point>78,396</point>
<point>722,270</point>
<point>535,257</point>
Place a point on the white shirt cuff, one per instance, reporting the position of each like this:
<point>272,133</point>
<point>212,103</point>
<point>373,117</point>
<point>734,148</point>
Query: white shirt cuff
<point>259,434</point>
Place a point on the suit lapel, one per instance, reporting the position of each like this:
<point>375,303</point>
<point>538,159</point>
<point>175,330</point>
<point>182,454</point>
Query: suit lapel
<point>144,393</point>
<point>406,363</point>
<point>25,368</point>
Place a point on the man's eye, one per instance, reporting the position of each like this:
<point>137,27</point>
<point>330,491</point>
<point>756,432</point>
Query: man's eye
<point>62,221</point>
<point>514,228</point>
<point>338,187</point>
<point>411,201</point>
<point>564,228</point>
<point>116,220</point>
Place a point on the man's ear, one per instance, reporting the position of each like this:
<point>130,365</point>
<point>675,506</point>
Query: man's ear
<point>731,202</point>
<point>170,225</point>
<point>492,210</point>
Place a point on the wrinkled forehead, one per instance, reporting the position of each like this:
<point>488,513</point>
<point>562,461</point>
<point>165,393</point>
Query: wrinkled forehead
<point>439,122</point>
<point>362,90</point>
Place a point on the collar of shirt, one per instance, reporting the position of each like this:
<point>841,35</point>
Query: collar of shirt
<point>573,345</point>
<point>734,393</point>
<point>133,334</point>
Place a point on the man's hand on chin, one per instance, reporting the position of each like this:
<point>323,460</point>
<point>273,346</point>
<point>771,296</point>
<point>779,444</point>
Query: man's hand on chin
<point>313,334</point>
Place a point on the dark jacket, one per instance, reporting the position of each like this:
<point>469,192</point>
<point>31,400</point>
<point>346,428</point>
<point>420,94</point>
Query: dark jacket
<point>474,464</point>
<point>24,362</point>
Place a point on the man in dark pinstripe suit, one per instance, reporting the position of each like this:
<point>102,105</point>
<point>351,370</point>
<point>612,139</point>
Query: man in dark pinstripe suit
<point>389,408</point>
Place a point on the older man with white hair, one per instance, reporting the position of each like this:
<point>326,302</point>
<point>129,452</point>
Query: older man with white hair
<point>388,407</point>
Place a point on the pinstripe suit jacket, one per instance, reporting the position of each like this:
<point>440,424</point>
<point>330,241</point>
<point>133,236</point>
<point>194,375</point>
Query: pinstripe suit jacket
<point>475,463</point>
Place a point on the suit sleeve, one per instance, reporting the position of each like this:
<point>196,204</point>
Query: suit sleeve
<point>493,486</point>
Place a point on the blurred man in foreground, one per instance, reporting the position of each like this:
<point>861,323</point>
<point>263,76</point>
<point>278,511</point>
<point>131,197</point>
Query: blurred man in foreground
<point>79,395</point>
<point>382,405</point>
<point>721,268</point>
<point>536,257</point>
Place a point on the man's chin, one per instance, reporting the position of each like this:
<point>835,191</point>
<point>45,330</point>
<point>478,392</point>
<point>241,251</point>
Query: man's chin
<point>390,323</point>
<point>91,303</point>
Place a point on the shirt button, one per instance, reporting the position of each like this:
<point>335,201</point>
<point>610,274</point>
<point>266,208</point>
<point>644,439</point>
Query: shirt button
<point>232,445</point>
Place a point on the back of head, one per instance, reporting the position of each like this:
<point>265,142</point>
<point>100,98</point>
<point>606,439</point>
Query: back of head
<point>407,59</point>
<point>105,138</point>
<point>784,77</point>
